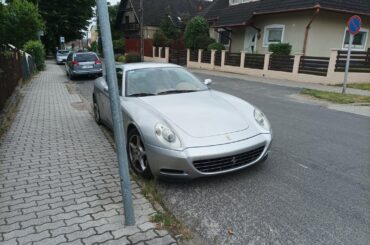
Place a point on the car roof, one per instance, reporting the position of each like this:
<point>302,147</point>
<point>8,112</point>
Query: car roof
<point>143,65</point>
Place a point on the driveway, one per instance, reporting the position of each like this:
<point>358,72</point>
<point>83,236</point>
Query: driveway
<point>314,188</point>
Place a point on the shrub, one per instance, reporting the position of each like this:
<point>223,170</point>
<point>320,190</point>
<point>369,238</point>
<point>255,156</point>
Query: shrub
<point>197,34</point>
<point>216,46</point>
<point>121,58</point>
<point>133,57</point>
<point>37,50</point>
<point>280,48</point>
<point>119,45</point>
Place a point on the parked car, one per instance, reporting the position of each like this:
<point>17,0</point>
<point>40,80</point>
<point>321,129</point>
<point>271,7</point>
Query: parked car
<point>83,64</point>
<point>176,126</point>
<point>61,56</point>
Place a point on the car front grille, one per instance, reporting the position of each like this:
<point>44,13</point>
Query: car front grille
<point>229,162</point>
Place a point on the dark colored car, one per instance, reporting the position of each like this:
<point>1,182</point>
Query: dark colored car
<point>83,64</point>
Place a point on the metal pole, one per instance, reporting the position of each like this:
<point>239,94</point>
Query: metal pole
<point>119,135</point>
<point>347,63</point>
<point>141,30</point>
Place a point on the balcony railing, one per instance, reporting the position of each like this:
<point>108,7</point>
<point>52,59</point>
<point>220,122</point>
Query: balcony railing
<point>131,27</point>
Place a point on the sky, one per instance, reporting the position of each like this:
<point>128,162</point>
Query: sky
<point>113,2</point>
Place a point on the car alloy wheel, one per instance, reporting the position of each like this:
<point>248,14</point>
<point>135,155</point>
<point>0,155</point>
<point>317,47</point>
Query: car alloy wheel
<point>96,112</point>
<point>137,155</point>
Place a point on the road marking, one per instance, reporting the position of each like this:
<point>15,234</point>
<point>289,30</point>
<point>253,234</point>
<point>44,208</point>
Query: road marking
<point>303,166</point>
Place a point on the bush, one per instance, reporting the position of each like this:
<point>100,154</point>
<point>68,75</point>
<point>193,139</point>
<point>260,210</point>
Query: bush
<point>119,45</point>
<point>197,34</point>
<point>280,48</point>
<point>121,58</point>
<point>133,57</point>
<point>37,50</point>
<point>216,46</point>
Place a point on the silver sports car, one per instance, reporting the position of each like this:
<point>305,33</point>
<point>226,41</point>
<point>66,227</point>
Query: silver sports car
<point>178,127</point>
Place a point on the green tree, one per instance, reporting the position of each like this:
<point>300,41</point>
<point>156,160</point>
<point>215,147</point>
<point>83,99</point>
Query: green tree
<point>169,29</point>
<point>69,19</point>
<point>19,22</point>
<point>167,33</point>
<point>197,34</point>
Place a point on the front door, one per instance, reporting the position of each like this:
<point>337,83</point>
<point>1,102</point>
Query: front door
<point>250,40</point>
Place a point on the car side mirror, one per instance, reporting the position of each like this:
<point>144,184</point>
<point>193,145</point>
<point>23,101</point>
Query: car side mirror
<point>207,81</point>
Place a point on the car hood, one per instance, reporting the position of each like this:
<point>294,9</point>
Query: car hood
<point>199,114</point>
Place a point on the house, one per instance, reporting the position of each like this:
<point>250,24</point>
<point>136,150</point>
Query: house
<point>312,27</point>
<point>128,17</point>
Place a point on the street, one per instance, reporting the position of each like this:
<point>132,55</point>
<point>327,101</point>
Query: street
<point>313,189</point>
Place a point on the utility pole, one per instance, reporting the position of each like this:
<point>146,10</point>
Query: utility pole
<point>119,135</point>
<point>141,30</point>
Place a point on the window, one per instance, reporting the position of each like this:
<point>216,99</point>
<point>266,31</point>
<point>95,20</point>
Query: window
<point>273,34</point>
<point>235,2</point>
<point>359,40</point>
<point>119,73</point>
<point>224,36</point>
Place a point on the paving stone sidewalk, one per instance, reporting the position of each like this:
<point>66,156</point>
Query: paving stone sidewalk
<point>58,176</point>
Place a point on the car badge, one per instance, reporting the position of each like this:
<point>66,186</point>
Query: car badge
<point>228,137</point>
<point>234,160</point>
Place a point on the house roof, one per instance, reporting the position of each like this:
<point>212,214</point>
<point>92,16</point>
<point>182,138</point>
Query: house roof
<point>154,10</point>
<point>240,14</point>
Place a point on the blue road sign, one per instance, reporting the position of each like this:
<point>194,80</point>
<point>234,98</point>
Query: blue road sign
<point>354,24</point>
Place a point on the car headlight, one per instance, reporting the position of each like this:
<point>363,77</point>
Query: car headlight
<point>167,136</point>
<point>261,119</point>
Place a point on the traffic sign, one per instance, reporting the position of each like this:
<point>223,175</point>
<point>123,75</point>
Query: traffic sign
<point>62,39</point>
<point>354,24</point>
<point>354,27</point>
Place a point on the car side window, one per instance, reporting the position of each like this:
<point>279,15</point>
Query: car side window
<point>69,58</point>
<point>119,72</point>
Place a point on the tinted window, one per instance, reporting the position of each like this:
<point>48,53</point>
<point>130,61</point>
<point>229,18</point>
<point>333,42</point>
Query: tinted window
<point>119,73</point>
<point>63,52</point>
<point>85,57</point>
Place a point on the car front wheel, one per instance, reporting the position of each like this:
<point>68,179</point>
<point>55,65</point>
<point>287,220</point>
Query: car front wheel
<point>137,155</point>
<point>96,112</point>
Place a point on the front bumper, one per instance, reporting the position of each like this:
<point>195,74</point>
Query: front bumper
<point>179,164</point>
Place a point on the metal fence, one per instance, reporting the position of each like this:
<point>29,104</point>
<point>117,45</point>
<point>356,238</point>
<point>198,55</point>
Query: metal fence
<point>232,59</point>
<point>206,56</point>
<point>255,61</point>
<point>281,63</point>
<point>15,66</point>
<point>360,61</point>
<point>314,65</point>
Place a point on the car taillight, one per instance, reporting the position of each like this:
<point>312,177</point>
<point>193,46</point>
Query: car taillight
<point>75,63</point>
<point>97,61</point>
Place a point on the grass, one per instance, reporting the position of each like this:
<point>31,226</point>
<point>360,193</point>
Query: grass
<point>336,97</point>
<point>164,219</point>
<point>362,86</point>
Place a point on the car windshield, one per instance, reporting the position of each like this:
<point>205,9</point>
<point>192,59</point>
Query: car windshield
<point>161,80</point>
<point>85,57</point>
<point>63,52</point>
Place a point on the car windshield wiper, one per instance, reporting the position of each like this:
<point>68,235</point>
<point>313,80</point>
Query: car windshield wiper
<point>140,94</point>
<point>175,91</point>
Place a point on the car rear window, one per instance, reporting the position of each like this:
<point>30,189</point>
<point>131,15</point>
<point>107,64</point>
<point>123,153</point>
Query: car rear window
<point>63,52</point>
<point>86,57</point>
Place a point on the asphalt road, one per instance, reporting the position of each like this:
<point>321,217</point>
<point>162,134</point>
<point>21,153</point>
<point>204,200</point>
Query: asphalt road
<point>313,189</point>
